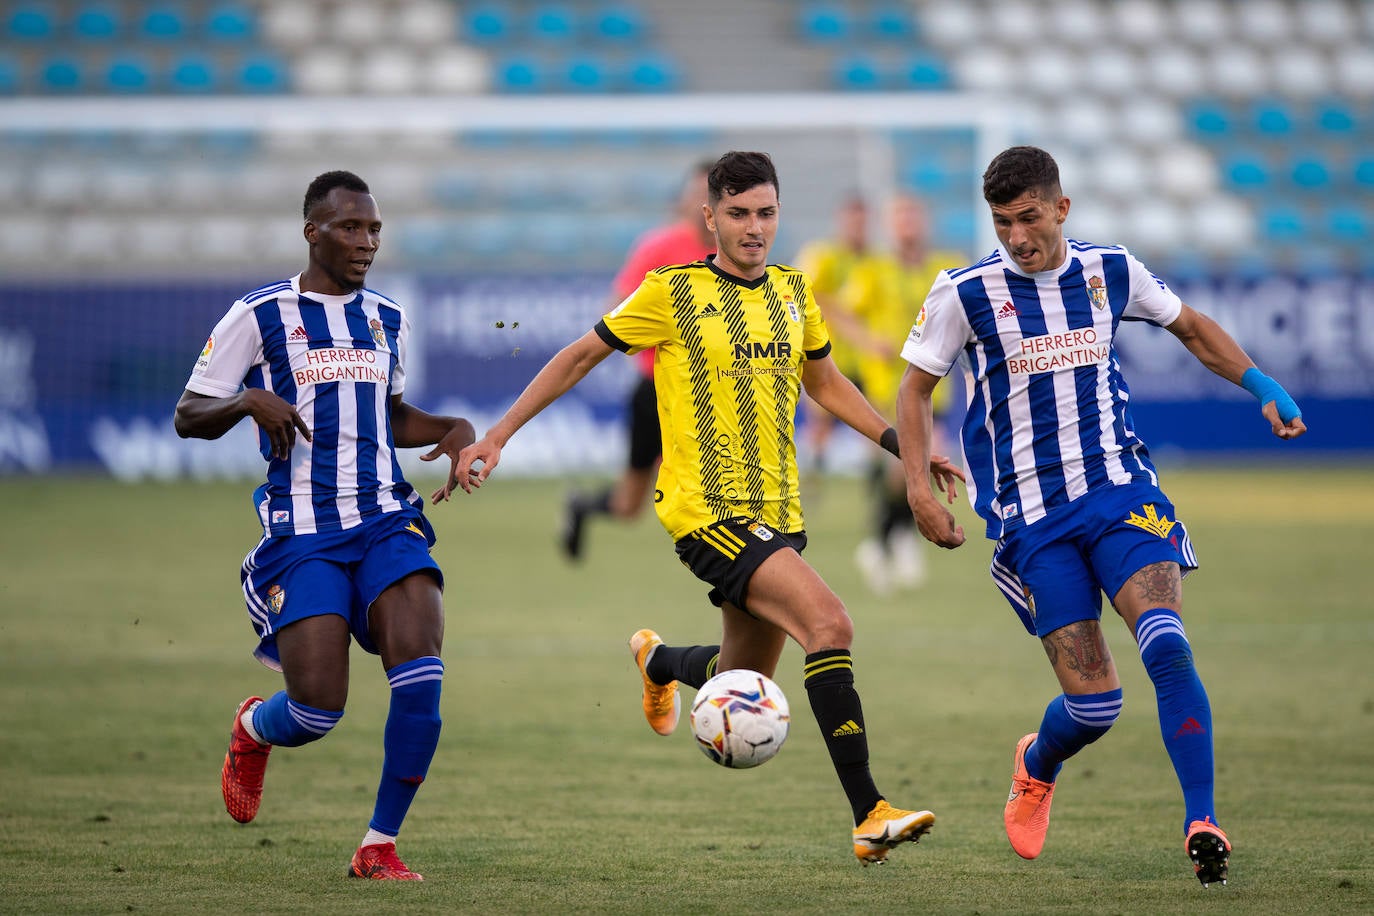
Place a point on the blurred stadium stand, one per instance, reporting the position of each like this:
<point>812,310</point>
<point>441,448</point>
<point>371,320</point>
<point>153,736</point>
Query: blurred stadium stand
<point>1240,130</point>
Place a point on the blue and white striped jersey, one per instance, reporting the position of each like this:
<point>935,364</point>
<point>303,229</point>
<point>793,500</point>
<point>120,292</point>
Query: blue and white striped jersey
<point>338,360</point>
<point>1048,416</point>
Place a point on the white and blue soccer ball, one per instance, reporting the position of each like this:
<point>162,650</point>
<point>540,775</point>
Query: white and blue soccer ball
<point>740,718</point>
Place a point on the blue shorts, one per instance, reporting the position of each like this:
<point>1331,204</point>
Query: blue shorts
<point>1053,572</point>
<point>291,577</point>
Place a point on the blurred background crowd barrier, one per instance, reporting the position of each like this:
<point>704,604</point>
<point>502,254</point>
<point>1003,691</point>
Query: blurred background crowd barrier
<point>155,154</point>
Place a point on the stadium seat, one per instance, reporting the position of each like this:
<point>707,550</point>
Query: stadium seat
<point>425,23</point>
<point>359,24</point>
<point>1238,70</point>
<point>1203,23</point>
<point>892,22</point>
<point>619,23</point>
<point>324,71</point>
<point>1363,173</point>
<point>1210,119</point>
<point>10,82</point>
<point>1282,223</point>
<point>1272,118</point>
<point>1183,171</point>
<point>925,70</point>
<point>951,25</point>
<point>231,22</point>
<point>62,74</point>
<point>1310,173</point>
<point>96,22</point>
<point>856,72</point>
<point>487,24</point>
<point>31,22</point>
<point>1247,172</point>
<point>455,69</point>
<point>262,73</point>
<point>552,23</point>
<point>290,25</point>
<point>1221,223</point>
<point>586,73</point>
<point>1325,22</point>
<point>824,22</point>
<point>1140,22</point>
<point>390,70</point>
<point>192,73</point>
<point>519,74</point>
<point>1354,70</point>
<point>653,73</point>
<point>163,22</point>
<point>1349,223</point>
<point>1301,72</point>
<point>1335,117</point>
<point>1053,72</point>
<point>1111,73</point>
<point>1078,23</point>
<point>1174,70</point>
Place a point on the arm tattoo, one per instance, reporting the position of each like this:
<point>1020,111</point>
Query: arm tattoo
<point>1159,585</point>
<point>1083,648</point>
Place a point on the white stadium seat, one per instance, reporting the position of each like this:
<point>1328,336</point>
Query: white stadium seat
<point>1140,22</point>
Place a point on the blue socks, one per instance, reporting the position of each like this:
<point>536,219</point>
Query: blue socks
<point>283,722</point>
<point>1071,723</point>
<point>1185,716</point>
<point>410,739</point>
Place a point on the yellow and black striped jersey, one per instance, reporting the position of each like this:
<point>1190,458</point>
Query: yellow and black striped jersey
<point>728,375</point>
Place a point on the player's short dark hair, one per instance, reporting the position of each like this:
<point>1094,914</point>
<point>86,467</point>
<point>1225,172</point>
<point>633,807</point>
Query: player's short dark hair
<point>319,188</point>
<point>736,172</point>
<point>1017,170</point>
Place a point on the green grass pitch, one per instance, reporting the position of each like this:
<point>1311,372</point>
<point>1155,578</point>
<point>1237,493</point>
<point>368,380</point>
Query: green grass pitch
<point>124,649</point>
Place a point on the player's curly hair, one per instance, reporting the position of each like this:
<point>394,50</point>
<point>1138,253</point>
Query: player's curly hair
<point>1017,170</point>
<point>319,188</point>
<point>736,171</point>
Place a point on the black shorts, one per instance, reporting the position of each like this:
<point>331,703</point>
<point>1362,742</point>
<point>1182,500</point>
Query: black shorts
<point>646,441</point>
<point>726,554</point>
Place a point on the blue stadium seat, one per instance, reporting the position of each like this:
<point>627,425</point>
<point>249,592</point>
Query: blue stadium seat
<point>488,24</point>
<point>10,81</point>
<point>1209,119</point>
<point>926,175</point>
<point>31,22</point>
<point>519,74</point>
<point>553,23</point>
<point>62,74</point>
<point>231,22</point>
<point>1310,173</point>
<point>129,74</point>
<point>1282,222</point>
<point>892,22</point>
<point>193,72</point>
<point>1363,172</point>
<point>857,72</point>
<point>585,73</point>
<point>96,22</point>
<point>1349,223</point>
<point>926,71</point>
<point>824,22</point>
<point>1271,118</point>
<point>1247,172</point>
<point>620,23</point>
<point>653,73</point>
<point>163,22</point>
<point>1335,116</point>
<point>262,73</point>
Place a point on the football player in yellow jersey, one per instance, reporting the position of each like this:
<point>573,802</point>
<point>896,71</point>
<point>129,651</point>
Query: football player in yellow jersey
<point>736,339</point>
<point>884,293</point>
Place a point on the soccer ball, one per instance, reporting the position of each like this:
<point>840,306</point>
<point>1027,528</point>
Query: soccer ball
<point>740,718</point>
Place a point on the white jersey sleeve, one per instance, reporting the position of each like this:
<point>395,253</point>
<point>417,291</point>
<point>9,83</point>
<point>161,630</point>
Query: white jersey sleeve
<point>1151,298</point>
<point>941,330</point>
<point>234,347</point>
<point>398,377</point>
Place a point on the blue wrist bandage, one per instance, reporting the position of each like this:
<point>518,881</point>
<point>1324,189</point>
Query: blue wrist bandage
<point>1266,389</point>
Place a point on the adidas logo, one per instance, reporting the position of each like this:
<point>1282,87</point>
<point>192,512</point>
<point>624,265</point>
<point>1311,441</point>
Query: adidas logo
<point>1008,310</point>
<point>298,334</point>
<point>710,311</point>
<point>849,728</point>
<point>1190,726</point>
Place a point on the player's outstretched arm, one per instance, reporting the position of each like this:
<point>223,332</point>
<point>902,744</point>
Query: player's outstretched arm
<point>1219,352</point>
<point>567,367</point>
<point>199,416</point>
<point>915,432</point>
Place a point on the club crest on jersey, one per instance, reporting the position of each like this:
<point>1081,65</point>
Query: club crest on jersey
<point>203,361</point>
<point>378,333</point>
<point>760,532</point>
<point>276,598</point>
<point>1151,521</point>
<point>1010,512</point>
<point>1097,292</point>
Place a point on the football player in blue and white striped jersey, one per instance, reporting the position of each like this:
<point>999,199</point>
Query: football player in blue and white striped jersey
<point>318,363</point>
<point>1063,482</point>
